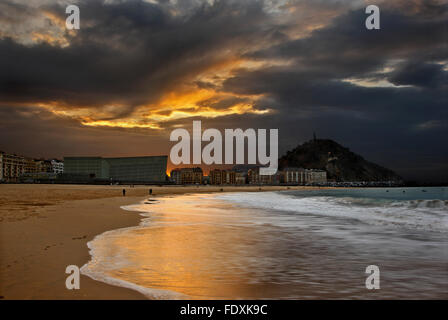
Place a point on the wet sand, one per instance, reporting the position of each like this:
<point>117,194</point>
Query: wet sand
<point>45,228</point>
<point>275,245</point>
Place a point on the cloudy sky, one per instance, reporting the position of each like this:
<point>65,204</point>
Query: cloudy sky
<point>138,69</point>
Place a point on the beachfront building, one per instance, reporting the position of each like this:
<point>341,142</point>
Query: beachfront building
<point>175,176</point>
<point>240,178</point>
<point>255,177</point>
<point>57,166</point>
<point>300,176</point>
<point>11,167</point>
<point>206,180</point>
<point>187,176</point>
<point>215,177</point>
<point>191,175</point>
<point>228,177</point>
<point>30,166</point>
<point>218,177</point>
<point>293,175</point>
<point>38,170</point>
<point>15,168</point>
<point>241,173</point>
<point>38,166</point>
<point>316,176</point>
<point>44,166</point>
<point>197,176</point>
<point>91,167</point>
<point>122,170</point>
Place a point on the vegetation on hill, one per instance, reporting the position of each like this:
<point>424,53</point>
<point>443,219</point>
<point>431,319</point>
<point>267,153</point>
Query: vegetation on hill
<point>340,163</point>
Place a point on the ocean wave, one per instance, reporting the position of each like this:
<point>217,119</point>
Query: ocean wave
<point>117,257</point>
<point>433,204</point>
<point>430,215</point>
<point>101,263</point>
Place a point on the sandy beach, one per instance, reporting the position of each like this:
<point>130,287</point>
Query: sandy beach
<point>45,228</point>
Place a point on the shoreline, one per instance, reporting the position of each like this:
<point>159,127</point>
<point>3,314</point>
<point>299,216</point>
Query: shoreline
<point>199,224</point>
<point>45,228</point>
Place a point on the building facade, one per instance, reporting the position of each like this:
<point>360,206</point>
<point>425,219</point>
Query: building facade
<point>44,166</point>
<point>38,170</point>
<point>228,177</point>
<point>294,176</point>
<point>240,178</point>
<point>12,167</point>
<point>91,167</point>
<point>15,168</point>
<point>57,166</point>
<point>187,176</point>
<point>303,176</point>
<point>123,170</point>
<point>215,177</point>
<point>175,176</point>
<point>317,176</point>
<point>30,166</point>
<point>218,177</point>
<point>254,177</point>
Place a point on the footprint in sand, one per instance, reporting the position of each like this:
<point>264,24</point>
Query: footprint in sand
<point>79,238</point>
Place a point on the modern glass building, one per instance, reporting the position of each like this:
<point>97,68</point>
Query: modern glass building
<point>124,170</point>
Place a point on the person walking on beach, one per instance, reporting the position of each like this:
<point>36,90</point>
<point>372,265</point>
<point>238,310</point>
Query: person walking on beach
<point>150,192</point>
<point>124,192</point>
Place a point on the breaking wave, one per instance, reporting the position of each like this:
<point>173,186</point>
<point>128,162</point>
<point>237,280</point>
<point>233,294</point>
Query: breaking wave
<point>429,215</point>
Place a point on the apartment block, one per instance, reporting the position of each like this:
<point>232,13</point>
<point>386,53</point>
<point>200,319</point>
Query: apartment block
<point>187,176</point>
<point>11,167</point>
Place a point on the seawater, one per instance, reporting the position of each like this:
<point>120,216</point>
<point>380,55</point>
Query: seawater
<point>310,244</point>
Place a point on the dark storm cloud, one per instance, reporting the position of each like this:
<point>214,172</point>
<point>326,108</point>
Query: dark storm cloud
<point>218,104</point>
<point>292,91</point>
<point>132,52</point>
<point>421,74</point>
<point>380,122</point>
<point>347,48</point>
<point>34,132</point>
<point>128,52</point>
